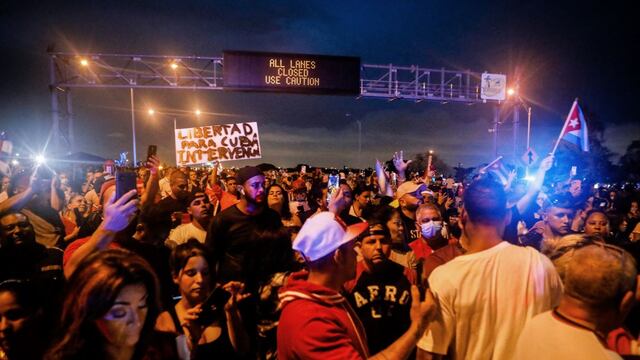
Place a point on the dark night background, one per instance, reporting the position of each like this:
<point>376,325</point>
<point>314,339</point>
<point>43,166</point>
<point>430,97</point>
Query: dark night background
<point>561,51</point>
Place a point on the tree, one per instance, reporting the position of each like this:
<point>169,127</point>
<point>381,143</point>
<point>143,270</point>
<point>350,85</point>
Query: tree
<point>420,162</point>
<point>630,162</point>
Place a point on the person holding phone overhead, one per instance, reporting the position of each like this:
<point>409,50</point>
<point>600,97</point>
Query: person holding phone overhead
<point>207,323</point>
<point>166,214</point>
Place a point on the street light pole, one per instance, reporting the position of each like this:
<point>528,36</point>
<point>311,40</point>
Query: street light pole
<point>528,126</point>
<point>359,140</point>
<point>133,130</point>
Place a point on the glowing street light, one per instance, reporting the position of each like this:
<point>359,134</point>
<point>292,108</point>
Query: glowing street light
<point>511,91</point>
<point>174,65</point>
<point>84,62</point>
<point>198,112</point>
<point>15,162</point>
<point>151,111</point>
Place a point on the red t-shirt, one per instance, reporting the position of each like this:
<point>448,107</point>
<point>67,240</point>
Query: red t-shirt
<point>420,248</point>
<point>68,252</point>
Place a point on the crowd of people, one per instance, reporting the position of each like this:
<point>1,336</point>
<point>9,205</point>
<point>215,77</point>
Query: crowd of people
<point>311,263</point>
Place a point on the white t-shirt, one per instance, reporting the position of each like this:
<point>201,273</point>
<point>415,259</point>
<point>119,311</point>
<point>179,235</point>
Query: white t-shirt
<point>545,337</point>
<point>184,232</point>
<point>485,299</point>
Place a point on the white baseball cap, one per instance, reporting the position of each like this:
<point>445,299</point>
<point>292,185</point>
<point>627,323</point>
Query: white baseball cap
<point>323,233</point>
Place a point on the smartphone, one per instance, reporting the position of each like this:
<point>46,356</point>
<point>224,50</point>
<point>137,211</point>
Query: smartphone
<point>125,182</point>
<point>214,303</point>
<point>151,151</point>
<point>334,183</point>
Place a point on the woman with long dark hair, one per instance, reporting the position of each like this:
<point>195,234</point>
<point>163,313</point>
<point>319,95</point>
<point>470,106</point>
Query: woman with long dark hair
<point>278,200</point>
<point>203,329</point>
<point>109,310</point>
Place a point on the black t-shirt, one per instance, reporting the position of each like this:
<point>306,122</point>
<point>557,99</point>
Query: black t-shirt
<point>382,301</point>
<point>158,216</point>
<point>410,231</point>
<point>234,238</point>
<point>38,264</point>
<point>511,230</point>
<point>30,262</point>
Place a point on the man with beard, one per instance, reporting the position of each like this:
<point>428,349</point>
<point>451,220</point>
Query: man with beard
<point>200,211</point>
<point>233,234</point>
<point>433,235</point>
<point>557,216</point>
<point>381,291</point>
<point>409,196</point>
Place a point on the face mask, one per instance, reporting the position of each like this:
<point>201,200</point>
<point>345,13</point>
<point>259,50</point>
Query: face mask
<point>430,229</point>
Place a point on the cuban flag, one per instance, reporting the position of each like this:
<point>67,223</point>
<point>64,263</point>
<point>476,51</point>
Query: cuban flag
<point>575,128</point>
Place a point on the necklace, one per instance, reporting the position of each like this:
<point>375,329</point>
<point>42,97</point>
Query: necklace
<point>575,323</point>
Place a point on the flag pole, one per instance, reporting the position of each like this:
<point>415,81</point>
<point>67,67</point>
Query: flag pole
<point>484,169</point>
<point>564,127</point>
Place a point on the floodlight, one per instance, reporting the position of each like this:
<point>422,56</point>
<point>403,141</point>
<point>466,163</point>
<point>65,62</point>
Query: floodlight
<point>40,159</point>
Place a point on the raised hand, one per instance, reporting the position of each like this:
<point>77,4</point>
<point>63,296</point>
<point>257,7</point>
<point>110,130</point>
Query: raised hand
<point>153,163</point>
<point>235,288</point>
<point>119,213</point>
<point>546,163</point>
<point>399,163</point>
<point>421,311</point>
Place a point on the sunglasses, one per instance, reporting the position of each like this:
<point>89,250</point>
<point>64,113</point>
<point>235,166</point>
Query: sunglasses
<point>418,193</point>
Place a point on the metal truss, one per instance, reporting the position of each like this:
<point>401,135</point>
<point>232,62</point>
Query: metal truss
<point>205,73</point>
<point>390,82</point>
<point>136,71</point>
<point>420,84</point>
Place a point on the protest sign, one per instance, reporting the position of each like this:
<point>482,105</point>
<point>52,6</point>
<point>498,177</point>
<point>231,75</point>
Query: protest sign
<point>226,142</point>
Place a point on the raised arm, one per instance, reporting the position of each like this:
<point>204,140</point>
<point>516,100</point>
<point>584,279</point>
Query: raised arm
<point>152,185</point>
<point>536,185</point>
<point>117,215</point>
<point>401,165</point>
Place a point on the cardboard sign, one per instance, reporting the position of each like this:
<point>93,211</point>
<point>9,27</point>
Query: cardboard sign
<point>226,142</point>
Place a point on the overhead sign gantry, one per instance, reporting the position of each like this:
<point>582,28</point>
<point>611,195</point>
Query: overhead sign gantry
<point>265,72</point>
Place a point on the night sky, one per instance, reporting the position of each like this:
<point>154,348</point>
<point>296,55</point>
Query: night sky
<point>579,49</point>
